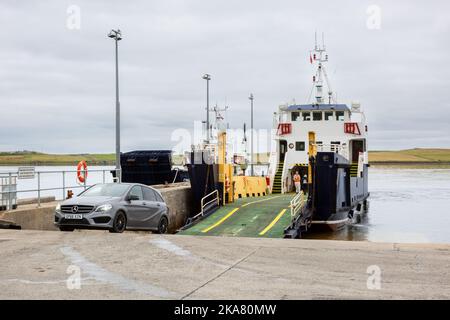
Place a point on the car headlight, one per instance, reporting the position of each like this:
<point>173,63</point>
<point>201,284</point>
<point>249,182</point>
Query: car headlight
<point>58,208</point>
<point>104,208</point>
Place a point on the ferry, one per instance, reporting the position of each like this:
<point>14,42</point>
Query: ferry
<point>326,143</point>
<point>323,140</point>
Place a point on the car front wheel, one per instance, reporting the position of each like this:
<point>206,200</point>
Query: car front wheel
<point>163,225</point>
<point>119,223</point>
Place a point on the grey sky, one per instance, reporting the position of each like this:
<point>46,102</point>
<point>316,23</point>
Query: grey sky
<point>57,85</point>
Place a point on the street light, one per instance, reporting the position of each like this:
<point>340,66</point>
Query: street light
<point>251,132</point>
<point>207,77</point>
<point>117,36</point>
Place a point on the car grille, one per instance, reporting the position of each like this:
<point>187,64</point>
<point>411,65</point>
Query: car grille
<point>80,209</point>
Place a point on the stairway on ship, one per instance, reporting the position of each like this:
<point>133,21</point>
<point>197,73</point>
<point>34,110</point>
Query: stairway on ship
<point>277,180</point>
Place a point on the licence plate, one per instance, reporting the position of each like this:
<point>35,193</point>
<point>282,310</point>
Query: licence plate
<point>73,216</point>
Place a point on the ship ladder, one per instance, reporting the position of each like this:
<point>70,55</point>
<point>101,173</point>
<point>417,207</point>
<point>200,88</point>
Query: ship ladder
<point>354,169</point>
<point>277,181</point>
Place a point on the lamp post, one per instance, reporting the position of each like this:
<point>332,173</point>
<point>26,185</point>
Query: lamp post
<point>207,77</point>
<point>251,131</point>
<point>117,36</point>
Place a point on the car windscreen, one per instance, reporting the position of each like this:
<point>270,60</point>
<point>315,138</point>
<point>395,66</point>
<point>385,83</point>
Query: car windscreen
<point>106,190</point>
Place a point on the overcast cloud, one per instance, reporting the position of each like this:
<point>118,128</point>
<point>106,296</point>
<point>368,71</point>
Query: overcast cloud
<point>57,84</point>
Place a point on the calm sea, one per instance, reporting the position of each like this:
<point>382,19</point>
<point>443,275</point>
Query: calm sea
<point>405,205</point>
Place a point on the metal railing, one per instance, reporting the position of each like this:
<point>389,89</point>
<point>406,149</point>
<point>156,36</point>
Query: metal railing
<point>336,148</point>
<point>63,186</point>
<point>8,183</point>
<point>297,204</point>
<point>203,205</point>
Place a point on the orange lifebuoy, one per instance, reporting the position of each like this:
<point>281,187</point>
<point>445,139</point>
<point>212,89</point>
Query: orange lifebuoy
<point>82,171</point>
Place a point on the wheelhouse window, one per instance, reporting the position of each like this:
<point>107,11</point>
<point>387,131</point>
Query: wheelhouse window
<point>306,116</point>
<point>317,116</point>
<point>299,146</point>
<point>328,115</point>
<point>339,115</point>
<point>295,116</point>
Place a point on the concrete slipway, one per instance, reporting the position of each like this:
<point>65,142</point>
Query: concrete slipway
<point>38,265</point>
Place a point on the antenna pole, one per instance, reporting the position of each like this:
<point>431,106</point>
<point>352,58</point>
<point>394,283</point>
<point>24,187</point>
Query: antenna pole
<point>321,56</point>
<point>315,40</point>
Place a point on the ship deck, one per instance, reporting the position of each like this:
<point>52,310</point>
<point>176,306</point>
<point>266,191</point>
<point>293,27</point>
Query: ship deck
<point>266,216</point>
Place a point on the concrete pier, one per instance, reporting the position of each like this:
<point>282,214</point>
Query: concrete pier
<point>139,265</point>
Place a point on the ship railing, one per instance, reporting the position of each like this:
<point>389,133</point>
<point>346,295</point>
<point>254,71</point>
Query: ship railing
<point>297,204</point>
<point>336,148</point>
<point>204,205</point>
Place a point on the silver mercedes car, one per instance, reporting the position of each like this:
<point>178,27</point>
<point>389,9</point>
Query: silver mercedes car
<point>116,207</point>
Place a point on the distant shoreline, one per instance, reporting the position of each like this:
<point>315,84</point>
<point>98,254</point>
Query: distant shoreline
<point>411,158</point>
<point>375,164</point>
<point>50,164</point>
<point>411,165</point>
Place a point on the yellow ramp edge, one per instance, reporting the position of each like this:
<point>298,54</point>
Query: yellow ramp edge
<point>218,223</point>
<point>278,217</point>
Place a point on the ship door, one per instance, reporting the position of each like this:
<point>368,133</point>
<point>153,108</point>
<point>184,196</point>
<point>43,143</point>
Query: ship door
<point>283,150</point>
<point>356,146</point>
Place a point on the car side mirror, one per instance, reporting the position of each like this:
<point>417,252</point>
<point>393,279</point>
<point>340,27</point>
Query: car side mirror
<point>132,197</point>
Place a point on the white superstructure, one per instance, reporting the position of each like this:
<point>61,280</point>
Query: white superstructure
<point>328,125</point>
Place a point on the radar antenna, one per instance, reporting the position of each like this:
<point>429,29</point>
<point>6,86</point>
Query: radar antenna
<point>320,56</point>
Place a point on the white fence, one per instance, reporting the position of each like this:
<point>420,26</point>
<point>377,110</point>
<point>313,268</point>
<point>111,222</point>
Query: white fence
<point>46,183</point>
<point>8,192</point>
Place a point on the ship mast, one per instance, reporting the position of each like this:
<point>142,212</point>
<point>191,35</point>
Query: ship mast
<point>320,56</point>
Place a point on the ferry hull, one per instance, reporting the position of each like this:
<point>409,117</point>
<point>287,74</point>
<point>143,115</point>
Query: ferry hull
<point>338,191</point>
<point>335,222</point>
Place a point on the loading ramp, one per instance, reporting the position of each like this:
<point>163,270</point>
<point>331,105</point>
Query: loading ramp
<point>247,217</point>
